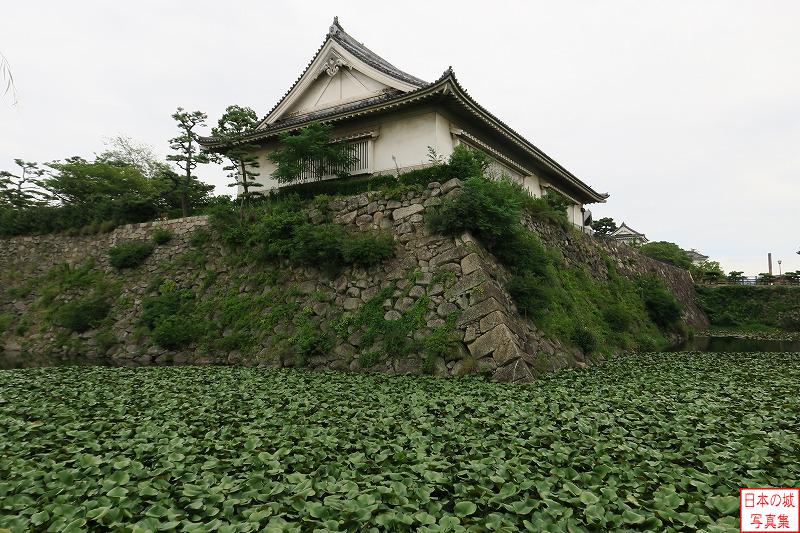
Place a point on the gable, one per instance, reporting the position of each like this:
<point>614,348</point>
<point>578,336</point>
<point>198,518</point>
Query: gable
<point>334,77</point>
<point>335,87</point>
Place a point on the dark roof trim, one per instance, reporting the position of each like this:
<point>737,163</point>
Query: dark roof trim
<point>447,84</point>
<point>337,33</point>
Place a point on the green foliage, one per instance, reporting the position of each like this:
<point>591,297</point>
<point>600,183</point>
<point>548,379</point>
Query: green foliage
<point>187,155</point>
<point>618,317</point>
<point>483,207</point>
<point>442,343</point>
<point>369,359</point>
<point>604,226</point>
<point>367,250</point>
<point>310,149</point>
<point>661,305</point>
<point>708,272</point>
<point>466,163</point>
<point>82,314</point>
<point>104,341</point>
<point>242,164</point>
<point>199,238</point>
<point>6,319</point>
<point>161,236</point>
<point>530,293</point>
<point>659,442</point>
<point>667,252</point>
<point>121,186</point>
<point>176,332</point>
<point>748,306</point>
<point>584,338</point>
<point>282,231</point>
<point>129,254</point>
<point>735,276</point>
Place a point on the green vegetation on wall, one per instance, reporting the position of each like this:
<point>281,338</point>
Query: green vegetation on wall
<point>566,302</point>
<point>129,254</point>
<point>751,306</point>
<point>281,230</point>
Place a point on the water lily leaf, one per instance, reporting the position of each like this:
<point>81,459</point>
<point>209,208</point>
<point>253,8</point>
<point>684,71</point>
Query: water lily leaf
<point>464,508</point>
<point>725,505</point>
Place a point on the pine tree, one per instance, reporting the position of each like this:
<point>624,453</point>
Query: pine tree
<point>242,163</point>
<point>188,153</point>
<point>24,189</point>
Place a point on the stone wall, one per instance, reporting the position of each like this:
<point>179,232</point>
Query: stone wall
<point>453,277</point>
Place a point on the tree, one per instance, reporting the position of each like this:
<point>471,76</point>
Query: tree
<point>23,189</point>
<point>709,271</point>
<point>766,278</point>
<point>604,226</point>
<point>310,149</point>
<point>667,252</point>
<point>242,162</point>
<point>123,149</point>
<point>188,155</point>
<point>100,190</point>
<point>735,276</point>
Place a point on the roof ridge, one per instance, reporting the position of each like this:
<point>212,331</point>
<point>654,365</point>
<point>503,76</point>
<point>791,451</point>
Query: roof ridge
<point>335,31</point>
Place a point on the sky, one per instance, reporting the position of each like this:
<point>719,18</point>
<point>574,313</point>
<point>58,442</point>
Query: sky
<point>686,112</point>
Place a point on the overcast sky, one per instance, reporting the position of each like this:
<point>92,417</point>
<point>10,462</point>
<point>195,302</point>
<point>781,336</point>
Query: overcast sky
<point>686,112</point>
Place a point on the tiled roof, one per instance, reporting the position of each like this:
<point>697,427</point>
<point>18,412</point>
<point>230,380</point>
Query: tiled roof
<point>337,33</point>
<point>366,55</point>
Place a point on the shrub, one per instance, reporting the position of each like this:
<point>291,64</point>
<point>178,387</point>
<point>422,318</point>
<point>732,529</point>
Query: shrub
<point>169,302</point>
<point>161,236</point>
<point>199,238</point>
<point>83,314</point>
<point>367,249</point>
<point>667,252</point>
<point>369,359</point>
<point>108,226</point>
<point>104,340</point>
<point>174,332</point>
<point>483,207</point>
<point>129,254</point>
<point>584,338</point>
<point>617,317</point>
<point>662,307</point>
<point>5,321</point>
<point>530,294</point>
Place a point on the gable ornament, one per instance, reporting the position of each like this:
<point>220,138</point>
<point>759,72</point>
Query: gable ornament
<point>332,65</point>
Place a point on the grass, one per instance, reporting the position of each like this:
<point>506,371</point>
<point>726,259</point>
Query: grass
<point>659,442</point>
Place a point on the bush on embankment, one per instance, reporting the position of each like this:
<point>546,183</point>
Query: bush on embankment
<point>751,306</point>
<point>566,302</point>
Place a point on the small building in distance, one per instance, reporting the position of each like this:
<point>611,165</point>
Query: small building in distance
<point>392,120</point>
<point>696,257</point>
<point>627,235</point>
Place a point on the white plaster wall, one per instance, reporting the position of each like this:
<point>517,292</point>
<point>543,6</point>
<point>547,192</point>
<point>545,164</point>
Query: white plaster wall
<point>404,136</point>
<point>407,138</point>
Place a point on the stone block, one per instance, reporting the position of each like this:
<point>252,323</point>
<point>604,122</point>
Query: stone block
<point>351,304</point>
<point>465,284</point>
<point>416,291</point>
<point>402,212</point>
<point>445,309</point>
<point>449,185</point>
<point>514,372</point>
<point>348,218</point>
<point>476,312</point>
<point>471,263</point>
<point>491,340</point>
<point>493,319</point>
<point>447,256</point>
<point>391,314</point>
<point>506,353</point>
